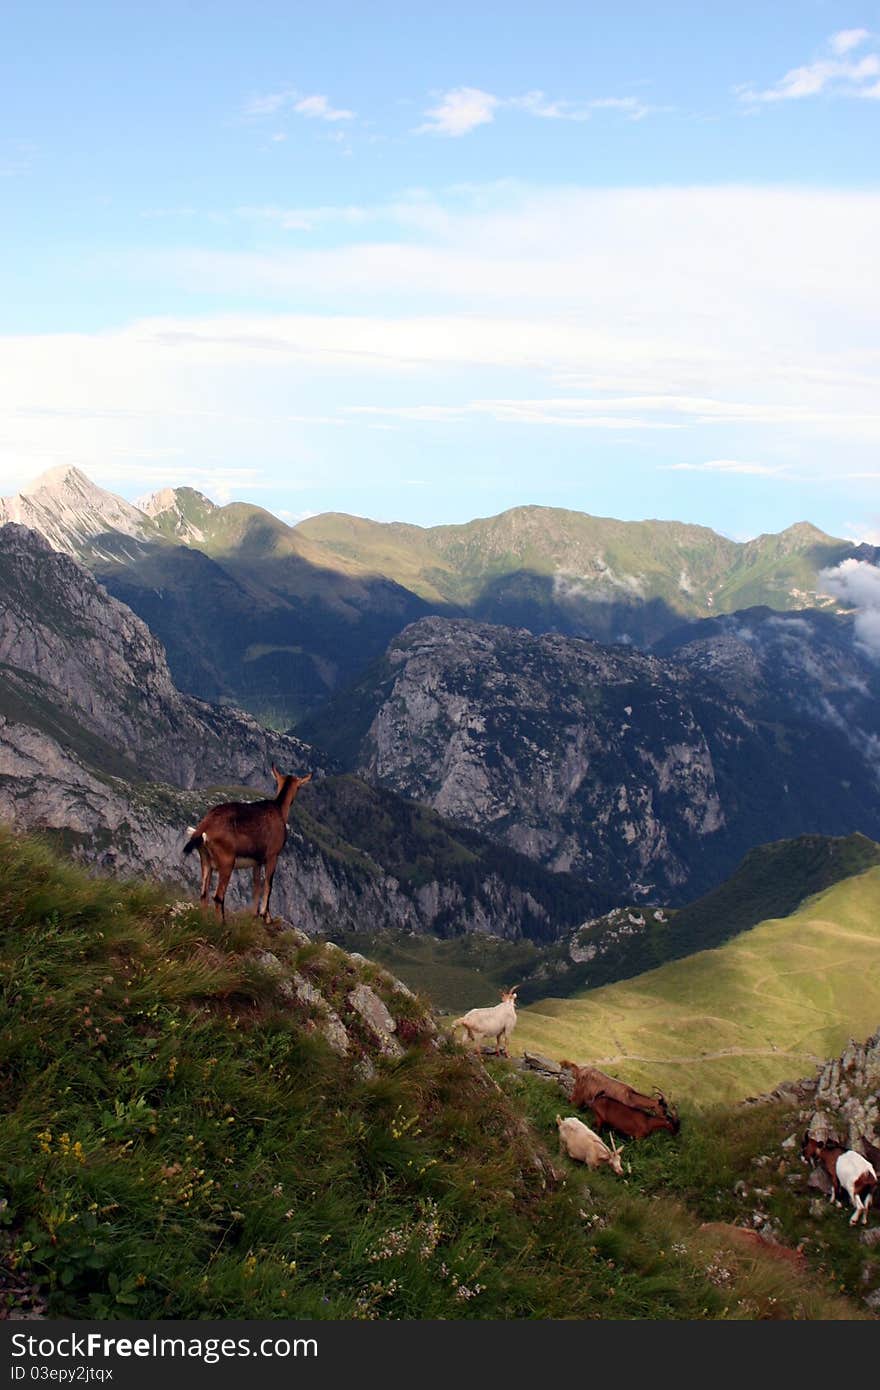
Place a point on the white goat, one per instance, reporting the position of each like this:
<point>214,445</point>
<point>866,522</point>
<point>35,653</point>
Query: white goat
<point>497,1023</point>
<point>858,1178</point>
<point>583,1144</point>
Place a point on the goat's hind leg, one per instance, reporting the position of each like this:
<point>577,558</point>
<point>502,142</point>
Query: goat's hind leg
<point>224,874</point>
<point>257,887</point>
<point>207,874</point>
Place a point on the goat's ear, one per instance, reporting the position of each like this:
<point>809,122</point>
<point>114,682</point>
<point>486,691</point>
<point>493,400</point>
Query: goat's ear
<point>279,776</point>
<point>302,780</point>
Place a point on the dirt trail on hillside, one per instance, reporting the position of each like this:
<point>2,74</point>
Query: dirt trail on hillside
<point>711,1056</point>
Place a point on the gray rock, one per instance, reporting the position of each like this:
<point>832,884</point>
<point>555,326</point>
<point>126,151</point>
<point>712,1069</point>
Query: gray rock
<point>536,1062</point>
<point>819,1181</point>
<point>334,1031</point>
<point>524,737</point>
<point>307,993</point>
<point>375,1015</point>
<point>269,962</point>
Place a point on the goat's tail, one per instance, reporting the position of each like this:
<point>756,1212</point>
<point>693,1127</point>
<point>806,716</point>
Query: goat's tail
<point>195,839</point>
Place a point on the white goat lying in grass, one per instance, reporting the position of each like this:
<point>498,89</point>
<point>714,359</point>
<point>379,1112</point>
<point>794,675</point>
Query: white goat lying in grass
<point>497,1023</point>
<point>582,1143</point>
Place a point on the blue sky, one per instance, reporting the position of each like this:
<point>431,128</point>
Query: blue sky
<point>428,262</point>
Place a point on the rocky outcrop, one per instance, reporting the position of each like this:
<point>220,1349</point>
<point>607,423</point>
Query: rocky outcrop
<point>379,1022</point>
<point>841,1101</point>
<point>846,1095</point>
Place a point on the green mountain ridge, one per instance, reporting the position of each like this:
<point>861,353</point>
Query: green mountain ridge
<point>691,568</point>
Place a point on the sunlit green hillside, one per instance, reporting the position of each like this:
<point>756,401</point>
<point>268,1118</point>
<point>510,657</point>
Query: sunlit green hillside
<point>727,1023</point>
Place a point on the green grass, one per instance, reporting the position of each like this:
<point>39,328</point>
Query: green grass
<point>179,1141</point>
<point>735,1021</point>
<point>721,1150</point>
<point>673,1188</point>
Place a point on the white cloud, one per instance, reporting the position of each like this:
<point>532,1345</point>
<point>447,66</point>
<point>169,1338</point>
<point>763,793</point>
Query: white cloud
<point>651,411</point>
<point>465,108</point>
<point>269,103</point>
<point>837,74</point>
<point>863,532</point>
<point>857,584</point>
<point>522,412</point>
<point>537,104</point>
<point>756,347</point>
<point>319,108</point>
<point>459,112</point>
<point>845,40</point>
<point>315,107</point>
<point>726,466</point>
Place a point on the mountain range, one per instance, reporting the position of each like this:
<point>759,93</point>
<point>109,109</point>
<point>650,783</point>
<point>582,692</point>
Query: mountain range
<point>525,775</point>
<point>277,618</point>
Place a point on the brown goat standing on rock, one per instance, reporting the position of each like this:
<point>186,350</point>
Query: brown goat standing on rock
<point>244,835</point>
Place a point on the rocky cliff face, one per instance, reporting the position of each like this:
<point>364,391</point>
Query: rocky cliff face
<point>106,668</point>
<point>807,665</point>
<point>99,748</point>
<point>651,776</point>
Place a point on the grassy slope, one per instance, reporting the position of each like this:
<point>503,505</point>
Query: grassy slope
<point>772,881</point>
<point>725,1023</point>
<point>178,1143</point>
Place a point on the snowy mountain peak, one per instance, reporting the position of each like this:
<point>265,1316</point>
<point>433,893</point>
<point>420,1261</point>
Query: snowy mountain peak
<point>64,478</point>
<point>71,511</point>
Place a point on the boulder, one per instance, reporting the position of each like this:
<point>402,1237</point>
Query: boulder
<point>369,1007</point>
